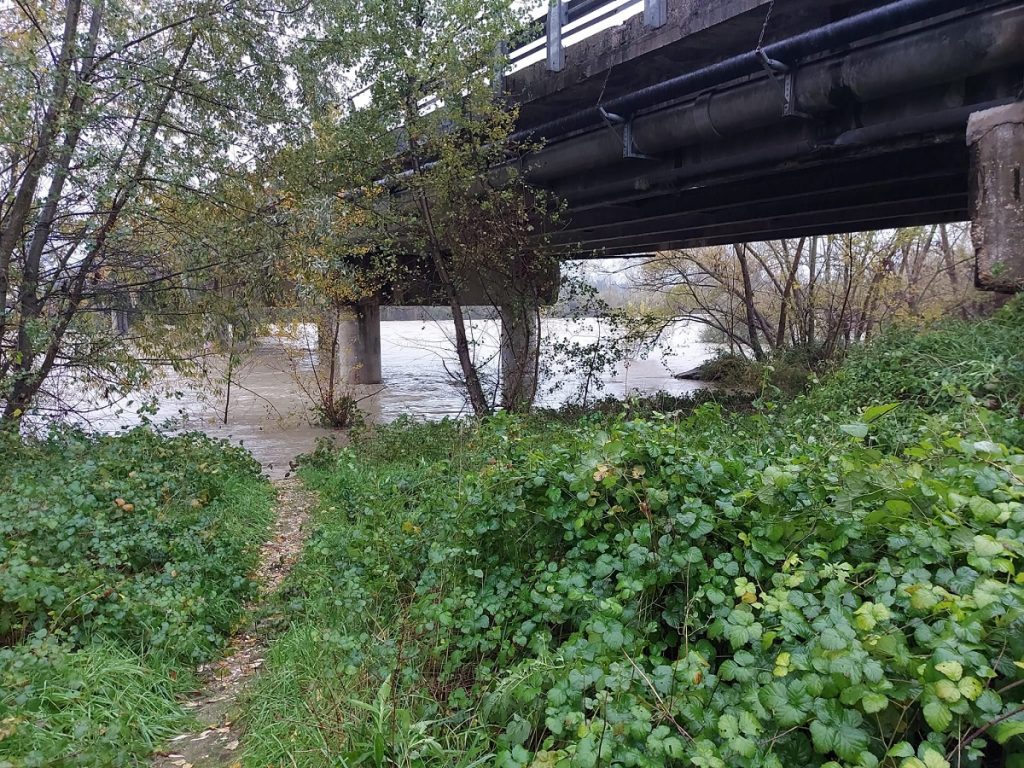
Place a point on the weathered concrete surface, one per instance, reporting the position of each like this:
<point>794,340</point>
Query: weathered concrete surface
<point>996,139</point>
<point>520,330</point>
<point>481,287</point>
<point>359,356</point>
<point>520,354</point>
<point>629,56</point>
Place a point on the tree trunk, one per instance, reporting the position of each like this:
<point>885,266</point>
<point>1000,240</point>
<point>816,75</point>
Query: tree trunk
<point>15,219</point>
<point>748,303</point>
<point>947,256</point>
<point>475,390</point>
<point>26,385</point>
<point>787,290</point>
<point>811,284</point>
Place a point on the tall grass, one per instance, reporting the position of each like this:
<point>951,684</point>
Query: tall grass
<point>124,562</point>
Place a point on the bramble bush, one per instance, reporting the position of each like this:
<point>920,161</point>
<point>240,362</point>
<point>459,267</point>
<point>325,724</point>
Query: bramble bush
<point>814,584</point>
<point>124,561</point>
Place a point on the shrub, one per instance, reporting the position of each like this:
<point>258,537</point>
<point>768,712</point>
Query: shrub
<point>123,561</point>
<point>813,585</point>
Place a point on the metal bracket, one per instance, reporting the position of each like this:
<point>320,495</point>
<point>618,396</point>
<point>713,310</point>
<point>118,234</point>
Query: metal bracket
<point>789,107</point>
<point>784,76</point>
<point>629,149</point>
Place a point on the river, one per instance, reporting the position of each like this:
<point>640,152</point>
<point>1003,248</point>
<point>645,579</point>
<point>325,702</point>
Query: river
<point>270,406</point>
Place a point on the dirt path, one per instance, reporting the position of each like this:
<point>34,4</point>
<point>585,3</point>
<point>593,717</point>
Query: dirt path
<point>225,679</point>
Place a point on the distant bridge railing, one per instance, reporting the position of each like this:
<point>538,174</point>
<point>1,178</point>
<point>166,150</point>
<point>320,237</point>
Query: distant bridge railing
<point>565,23</point>
<point>570,21</point>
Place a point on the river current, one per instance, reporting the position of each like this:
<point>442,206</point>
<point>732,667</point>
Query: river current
<point>270,408</point>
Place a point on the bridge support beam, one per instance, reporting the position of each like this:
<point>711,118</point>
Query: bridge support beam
<point>520,290</point>
<point>996,139</point>
<point>520,354</point>
<point>357,356</point>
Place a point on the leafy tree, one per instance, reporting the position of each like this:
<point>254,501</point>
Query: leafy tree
<point>124,126</point>
<point>431,135</point>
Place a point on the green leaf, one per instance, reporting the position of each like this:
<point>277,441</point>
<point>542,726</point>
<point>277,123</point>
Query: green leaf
<point>986,546</point>
<point>933,758</point>
<point>841,735</point>
<point>743,746</point>
<point>900,749</point>
<point>970,687</point>
<point>876,412</point>
<point>951,669</point>
<point>947,691</point>
<point>899,507</point>
<point>822,737</point>
<point>874,702</point>
<point>728,726</point>
<point>832,640</point>
<point>938,716</point>
<point>1006,730</point>
<point>857,430</point>
<point>850,740</point>
<point>983,509</point>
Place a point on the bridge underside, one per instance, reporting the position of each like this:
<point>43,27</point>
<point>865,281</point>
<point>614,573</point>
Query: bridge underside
<point>862,132</point>
<point>855,115</point>
<point>895,186</point>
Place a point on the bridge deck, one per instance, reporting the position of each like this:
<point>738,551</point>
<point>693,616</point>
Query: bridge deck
<point>630,56</point>
<point>874,136</point>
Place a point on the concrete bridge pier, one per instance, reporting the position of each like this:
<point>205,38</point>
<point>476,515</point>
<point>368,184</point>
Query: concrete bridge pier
<point>519,353</point>
<point>996,140</point>
<point>357,357</point>
<point>530,281</point>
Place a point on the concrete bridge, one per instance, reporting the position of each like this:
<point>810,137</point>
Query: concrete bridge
<point>704,122</point>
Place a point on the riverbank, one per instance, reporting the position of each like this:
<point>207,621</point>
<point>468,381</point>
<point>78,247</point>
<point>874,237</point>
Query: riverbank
<point>829,581</point>
<point>826,582</point>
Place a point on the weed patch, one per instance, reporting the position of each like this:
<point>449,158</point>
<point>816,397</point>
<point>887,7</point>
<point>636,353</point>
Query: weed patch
<point>124,561</point>
<point>833,582</point>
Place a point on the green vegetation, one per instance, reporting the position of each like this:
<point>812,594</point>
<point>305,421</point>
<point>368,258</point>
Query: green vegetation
<point>833,582</point>
<point>123,563</point>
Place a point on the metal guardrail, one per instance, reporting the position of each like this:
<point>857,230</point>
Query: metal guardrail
<point>564,22</point>
<point>579,19</point>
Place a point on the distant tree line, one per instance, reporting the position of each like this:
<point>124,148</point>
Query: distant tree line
<point>817,294</point>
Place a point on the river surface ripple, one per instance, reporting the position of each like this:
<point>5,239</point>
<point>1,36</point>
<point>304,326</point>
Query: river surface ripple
<point>270,411</point>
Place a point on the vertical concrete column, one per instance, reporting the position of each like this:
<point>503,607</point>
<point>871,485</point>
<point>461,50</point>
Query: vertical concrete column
<point>996,140</point>
<point>357,357</point>
<point>520,289</point>
<point>359,344</point>
<point>519,354</point>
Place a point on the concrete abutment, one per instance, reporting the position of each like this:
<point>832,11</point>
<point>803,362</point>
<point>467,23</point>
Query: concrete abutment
<point>519,353</point>
<point>996,141</point>
<point>366,358</point>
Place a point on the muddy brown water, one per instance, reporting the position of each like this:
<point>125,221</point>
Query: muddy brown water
<point>270,409</point>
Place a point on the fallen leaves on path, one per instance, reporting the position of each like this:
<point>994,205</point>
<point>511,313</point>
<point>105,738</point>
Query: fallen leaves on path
<point>225,678</point>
